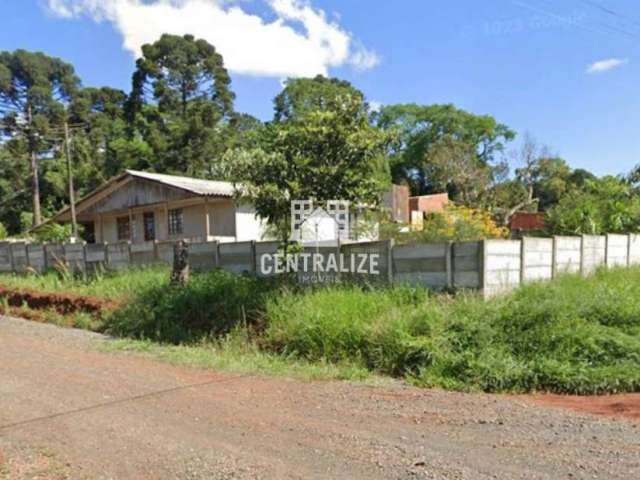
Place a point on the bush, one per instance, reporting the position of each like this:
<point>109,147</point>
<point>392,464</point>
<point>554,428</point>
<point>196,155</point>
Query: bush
<point>454,222</point>
<point>338,324</point>
<point>3,232</point>
<point>572,335</point>
<point>211,304</point>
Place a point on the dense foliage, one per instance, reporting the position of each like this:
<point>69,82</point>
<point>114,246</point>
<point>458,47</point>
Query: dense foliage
<point>323,142</point>
<point>572,335</point>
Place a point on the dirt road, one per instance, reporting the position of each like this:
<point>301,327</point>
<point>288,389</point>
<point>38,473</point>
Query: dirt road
<point>68,410</point>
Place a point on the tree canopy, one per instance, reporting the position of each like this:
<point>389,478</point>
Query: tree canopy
<point>323,142</point>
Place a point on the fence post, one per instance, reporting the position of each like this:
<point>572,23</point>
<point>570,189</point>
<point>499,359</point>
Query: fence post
<point>581,267</point>
<point>554,259</point>
<point>448,261</point>
<point>523,250</point>
<point>628,249</point>
<point>606,250</point>
<point>11,262</point>
<point>482,262</point>
<point>254,256</point>
<point>390,260</point>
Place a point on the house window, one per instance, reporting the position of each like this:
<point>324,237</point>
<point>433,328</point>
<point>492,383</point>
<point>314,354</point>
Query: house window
<point>124,228</point>
<point>175,221</point>
<point>149,226</point>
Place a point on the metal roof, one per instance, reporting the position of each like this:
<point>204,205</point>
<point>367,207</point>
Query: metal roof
<point>193,185</point>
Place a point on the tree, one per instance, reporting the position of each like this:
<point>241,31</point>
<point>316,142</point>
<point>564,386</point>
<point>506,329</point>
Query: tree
<point>421,127</point>
<point>182,104</point>
<point>452,165</point>
<point>32,89</point>
<point>605,205</point>
<point>319,146</point>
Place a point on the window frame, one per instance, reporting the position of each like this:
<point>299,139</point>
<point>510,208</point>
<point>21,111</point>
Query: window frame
<point>145,226</point>
<point>175,221</point>
<point>123,224</point>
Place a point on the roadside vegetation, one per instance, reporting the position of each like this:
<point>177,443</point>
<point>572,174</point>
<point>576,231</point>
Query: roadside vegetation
<point>571,335</point>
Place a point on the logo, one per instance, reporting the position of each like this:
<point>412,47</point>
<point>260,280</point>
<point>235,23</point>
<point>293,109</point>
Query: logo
<point>320,223</point>
<point>321,230</point>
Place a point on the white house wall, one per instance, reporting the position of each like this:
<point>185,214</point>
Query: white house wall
<point>248,225</point>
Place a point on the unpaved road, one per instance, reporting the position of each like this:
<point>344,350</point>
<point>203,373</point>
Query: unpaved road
<point>68,410</point>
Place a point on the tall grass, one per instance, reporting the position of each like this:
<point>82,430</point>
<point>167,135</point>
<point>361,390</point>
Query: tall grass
<point>212,304</point>
<point>571,335</point>
<point>111,285</point>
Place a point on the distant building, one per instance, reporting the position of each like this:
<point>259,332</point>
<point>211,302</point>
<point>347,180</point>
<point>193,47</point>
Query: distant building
<point>526,222</point>
<point>428,203</point>
<point>142,207</point>
<point>396,201</point>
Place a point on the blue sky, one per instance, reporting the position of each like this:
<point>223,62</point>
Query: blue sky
<point>526,62</point>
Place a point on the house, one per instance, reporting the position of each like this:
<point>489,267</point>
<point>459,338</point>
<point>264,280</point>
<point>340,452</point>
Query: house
<point>140,207</point>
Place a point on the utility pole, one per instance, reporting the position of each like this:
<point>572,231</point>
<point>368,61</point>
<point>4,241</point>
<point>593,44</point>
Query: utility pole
<point>72,200</point>
<point>35,183</point>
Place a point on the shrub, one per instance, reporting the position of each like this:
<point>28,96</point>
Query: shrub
<point>575,335</point>
<point>211,304</point>
<point>3,232</point>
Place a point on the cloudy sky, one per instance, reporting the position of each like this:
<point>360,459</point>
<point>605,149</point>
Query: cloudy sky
<point>566,71</point>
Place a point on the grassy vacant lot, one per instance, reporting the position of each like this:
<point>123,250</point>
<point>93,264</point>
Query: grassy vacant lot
<point>577,335</point>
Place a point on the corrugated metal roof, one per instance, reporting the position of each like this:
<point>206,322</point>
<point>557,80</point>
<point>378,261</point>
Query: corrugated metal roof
<point>193,185</point>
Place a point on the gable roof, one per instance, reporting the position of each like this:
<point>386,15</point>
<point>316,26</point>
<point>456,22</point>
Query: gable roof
<point>195,186</point>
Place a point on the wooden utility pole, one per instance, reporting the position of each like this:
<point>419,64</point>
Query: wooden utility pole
<point>35,182</point>
<point>72,200</point>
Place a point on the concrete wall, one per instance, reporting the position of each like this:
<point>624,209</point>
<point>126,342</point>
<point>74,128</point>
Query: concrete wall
<point>467,263</point>
<point>19,257</point>
<point>143,254</point>
<point>594,249</point>
<point>502,263</point>
<point>5,257</point>
<point>383,249</point>
<point>74,256</point>
<point>203,256</point>
<point>617,250</point>
<point>237,257</point>
<point>634,249</point>
<point>492,266</point>
<point>423,264</point>
<point>264,248</point>
<point>36,257</point>
<point>567,253</point>
<point>537,259</point>
<point>118,255</point>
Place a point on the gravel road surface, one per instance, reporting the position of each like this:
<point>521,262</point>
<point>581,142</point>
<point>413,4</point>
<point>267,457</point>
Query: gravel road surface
<point>69,410</point>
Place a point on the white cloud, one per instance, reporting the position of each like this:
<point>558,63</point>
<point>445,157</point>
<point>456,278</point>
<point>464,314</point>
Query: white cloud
<point>607,64</point>
<point>300,41</point>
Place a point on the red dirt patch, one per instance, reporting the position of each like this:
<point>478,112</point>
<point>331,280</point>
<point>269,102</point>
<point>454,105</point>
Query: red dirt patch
<point>63,303</point>
<point>624,405</point>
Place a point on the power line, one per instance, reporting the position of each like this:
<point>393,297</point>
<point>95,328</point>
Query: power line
<point>608,28</point>
<point>610,12</point>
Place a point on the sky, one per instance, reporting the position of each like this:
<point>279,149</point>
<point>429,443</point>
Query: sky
<point>565,71</point>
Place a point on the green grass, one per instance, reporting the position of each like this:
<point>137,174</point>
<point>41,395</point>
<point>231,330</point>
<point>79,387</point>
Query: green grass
<point>237,354</point>
<point>570,335</point>
<point>108,285</point>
